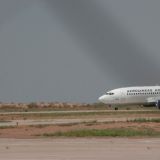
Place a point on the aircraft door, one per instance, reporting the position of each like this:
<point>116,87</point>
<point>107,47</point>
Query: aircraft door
<point>123,97</point>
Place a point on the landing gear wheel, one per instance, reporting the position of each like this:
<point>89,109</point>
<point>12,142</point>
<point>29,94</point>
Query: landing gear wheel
<point>116,108</point>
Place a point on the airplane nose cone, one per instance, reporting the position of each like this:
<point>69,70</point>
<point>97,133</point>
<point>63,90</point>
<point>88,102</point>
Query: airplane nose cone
<point>102,98</point>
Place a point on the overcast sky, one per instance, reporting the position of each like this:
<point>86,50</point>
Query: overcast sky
<point>74,50</point>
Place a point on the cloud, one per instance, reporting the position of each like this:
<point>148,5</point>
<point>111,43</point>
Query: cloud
<point>108,44</point>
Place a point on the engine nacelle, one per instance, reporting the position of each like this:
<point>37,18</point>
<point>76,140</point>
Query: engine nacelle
<point>158,104</point>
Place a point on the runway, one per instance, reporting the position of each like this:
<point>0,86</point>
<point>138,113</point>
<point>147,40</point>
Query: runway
<point>68,121</point>
<point>80,149</point>
<point>76,111</point>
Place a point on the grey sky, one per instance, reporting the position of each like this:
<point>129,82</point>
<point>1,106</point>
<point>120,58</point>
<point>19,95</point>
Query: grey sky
<point>65,50</point>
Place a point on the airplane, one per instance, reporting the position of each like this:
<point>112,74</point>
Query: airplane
<point>140,95</point>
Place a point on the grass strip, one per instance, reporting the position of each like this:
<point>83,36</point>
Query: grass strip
<point>7,127</point>
<point>141,120</point>
<point>4,121</point>
<point>105,133</point>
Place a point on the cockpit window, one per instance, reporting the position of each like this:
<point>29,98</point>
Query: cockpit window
<point>110,93</point>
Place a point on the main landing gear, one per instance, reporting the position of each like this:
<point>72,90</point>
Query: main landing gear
<point>115,108</point>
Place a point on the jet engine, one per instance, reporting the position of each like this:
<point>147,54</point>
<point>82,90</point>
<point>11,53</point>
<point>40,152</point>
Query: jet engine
<point>158,104</point>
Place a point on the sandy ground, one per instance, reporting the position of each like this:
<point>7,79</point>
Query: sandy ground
<point>80,149</point>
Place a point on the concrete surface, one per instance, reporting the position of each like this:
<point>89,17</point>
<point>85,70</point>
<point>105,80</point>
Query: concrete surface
<point>75,111</point>
<point>80,149</point>
<point>67,121</point>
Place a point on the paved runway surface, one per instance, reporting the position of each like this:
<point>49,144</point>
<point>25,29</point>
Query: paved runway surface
<point>67,121</point>
<point>80,149</point>
<point>77,111</point>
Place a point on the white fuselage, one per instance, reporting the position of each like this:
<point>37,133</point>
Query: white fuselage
<point>132,95</point>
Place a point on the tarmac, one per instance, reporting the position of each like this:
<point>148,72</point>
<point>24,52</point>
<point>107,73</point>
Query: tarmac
<point>80,149</point>
<point>74,111</point>
<point>67,121</point>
